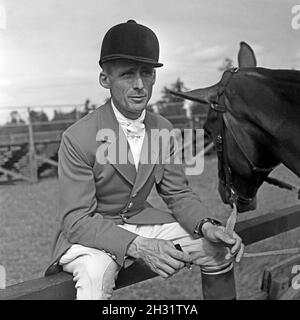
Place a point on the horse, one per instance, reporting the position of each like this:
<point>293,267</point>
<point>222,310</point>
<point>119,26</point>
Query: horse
<point>254,122</point>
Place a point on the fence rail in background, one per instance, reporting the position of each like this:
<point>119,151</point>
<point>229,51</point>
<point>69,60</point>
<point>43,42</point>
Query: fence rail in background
<point>61,286</point>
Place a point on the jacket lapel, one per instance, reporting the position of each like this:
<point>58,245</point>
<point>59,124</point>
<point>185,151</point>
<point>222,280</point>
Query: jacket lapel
<point>114,144</point>
<point>149,153</point>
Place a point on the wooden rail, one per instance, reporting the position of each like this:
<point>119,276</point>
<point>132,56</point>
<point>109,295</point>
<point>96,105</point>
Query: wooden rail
<point>61,287</point>
<point>269,225</point>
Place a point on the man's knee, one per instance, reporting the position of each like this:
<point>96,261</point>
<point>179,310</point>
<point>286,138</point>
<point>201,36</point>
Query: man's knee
<point>94,274</point>
<point>94,265</point>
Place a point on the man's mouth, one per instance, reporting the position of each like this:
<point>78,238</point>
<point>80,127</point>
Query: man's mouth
<point>137,99</point>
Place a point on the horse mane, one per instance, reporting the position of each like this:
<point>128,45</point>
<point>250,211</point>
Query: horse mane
<point>285,75</point>
<point>284,82</point>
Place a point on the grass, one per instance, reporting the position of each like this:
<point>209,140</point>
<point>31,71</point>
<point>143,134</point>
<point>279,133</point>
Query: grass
<point>29,218</point>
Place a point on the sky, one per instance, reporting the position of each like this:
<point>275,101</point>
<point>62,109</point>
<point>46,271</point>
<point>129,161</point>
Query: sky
<point>49,49</point>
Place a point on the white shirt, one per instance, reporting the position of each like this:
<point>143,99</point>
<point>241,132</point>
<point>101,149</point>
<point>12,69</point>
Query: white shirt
<point>134,131</point>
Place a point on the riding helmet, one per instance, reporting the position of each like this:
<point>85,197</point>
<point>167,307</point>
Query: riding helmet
<point>130,41</point>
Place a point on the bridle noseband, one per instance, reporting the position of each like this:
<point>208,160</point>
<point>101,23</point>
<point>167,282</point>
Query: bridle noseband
<point>225,171</point>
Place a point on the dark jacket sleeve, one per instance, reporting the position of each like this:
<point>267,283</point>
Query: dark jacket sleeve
<point>80,222</point>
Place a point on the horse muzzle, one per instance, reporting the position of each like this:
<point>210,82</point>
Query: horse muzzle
<point>243,204</point>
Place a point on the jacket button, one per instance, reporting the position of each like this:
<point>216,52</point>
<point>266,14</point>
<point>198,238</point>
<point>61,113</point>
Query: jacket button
<point>130,205</point>
<point>134,195</point>
<point>123,216</point>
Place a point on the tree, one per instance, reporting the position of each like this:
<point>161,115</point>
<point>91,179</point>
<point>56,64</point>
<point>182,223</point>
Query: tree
<point>75,113</point>
<point>59,115</point>
<point>38,116</point>
<point>15,118</point>
<point>177,86</point>
<point>169,103</point>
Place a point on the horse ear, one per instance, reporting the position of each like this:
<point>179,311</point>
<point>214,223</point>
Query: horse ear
<point>246,56</point>
<point>205,95</point>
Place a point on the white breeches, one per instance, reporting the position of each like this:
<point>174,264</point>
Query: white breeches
<point>95,271</point>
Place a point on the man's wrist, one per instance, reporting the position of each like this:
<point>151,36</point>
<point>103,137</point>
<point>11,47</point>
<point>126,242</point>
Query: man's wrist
<point>199,230</point>
<point>133,247</point>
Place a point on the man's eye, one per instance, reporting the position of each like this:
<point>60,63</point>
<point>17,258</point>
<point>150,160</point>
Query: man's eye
<point>127,73</point>
<point>147,73</point>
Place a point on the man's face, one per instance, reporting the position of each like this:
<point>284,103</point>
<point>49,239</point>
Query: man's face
<point>130,84</point>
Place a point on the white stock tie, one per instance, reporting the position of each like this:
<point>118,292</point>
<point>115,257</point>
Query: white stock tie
<point>133,129</point>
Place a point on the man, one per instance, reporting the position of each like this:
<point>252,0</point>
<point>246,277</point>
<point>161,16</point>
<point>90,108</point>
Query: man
<point>105,217</point>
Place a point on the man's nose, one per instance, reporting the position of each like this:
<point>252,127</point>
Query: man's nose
<point>138,82</point>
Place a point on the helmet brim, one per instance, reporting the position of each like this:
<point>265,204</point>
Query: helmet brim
<point>113,57</point>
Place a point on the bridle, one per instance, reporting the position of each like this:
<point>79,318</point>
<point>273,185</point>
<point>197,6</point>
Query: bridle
<point>225,171</point>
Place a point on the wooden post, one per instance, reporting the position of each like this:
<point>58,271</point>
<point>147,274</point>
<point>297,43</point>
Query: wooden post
<point>32,157</point>
<point>77,114</point>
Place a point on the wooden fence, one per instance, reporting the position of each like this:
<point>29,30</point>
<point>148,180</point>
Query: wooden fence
<point>276,280</point>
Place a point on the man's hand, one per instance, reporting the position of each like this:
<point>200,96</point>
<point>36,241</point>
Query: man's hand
<point>160,256</point>
<point>217,234</point>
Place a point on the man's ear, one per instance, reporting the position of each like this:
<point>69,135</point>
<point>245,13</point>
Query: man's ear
<point>104,80</point>
<point>154,76</point>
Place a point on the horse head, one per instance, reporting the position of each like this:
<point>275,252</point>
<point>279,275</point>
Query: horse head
<point>243,127</point>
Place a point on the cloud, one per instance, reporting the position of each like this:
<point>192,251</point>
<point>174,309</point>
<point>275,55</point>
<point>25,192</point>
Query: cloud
<point>2,17</point>
<point>258,48</point>
<point>5,82</point>
<point>199,53</point>
<point>209,54</point>
<point>296,59</point>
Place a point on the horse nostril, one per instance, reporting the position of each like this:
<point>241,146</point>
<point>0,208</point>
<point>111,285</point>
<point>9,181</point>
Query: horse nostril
<point>243,205</point>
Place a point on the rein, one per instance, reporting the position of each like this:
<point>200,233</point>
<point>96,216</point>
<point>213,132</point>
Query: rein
<point>284,185</point>
<point>225,172</point>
